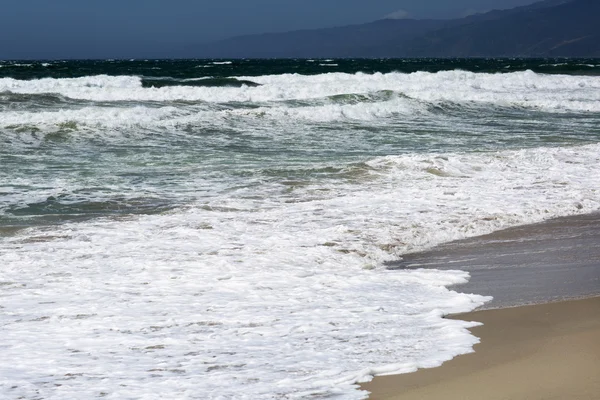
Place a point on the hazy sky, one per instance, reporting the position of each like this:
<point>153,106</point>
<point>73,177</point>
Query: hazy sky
<point>151,28</point>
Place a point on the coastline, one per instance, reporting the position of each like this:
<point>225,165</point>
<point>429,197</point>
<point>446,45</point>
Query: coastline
<point>554,260</point>
<point>540,338</point>
<point>544,351</point>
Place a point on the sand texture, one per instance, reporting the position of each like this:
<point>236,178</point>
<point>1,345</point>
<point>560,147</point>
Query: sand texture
<point>547,351</point>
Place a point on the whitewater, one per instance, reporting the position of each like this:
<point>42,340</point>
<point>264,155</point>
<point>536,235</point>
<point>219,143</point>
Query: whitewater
<point>223,233</point>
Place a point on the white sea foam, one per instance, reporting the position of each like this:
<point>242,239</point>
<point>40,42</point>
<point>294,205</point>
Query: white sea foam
<point>251,287</point>
<point>263,296</point>
<point>89,119</point>
<point>146,319</point>
<point>288,98</point>
<point>518,89</point>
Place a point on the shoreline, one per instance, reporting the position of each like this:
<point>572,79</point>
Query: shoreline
<point>553,260</point>
<point>540,337</point>
<point>534,352</point>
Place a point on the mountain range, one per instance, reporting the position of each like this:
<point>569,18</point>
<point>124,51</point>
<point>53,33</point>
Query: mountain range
<point>550,28</point>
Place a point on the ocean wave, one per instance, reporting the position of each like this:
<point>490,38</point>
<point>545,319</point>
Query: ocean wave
<point>385,110</point>
<point>89,117</point>
<point>520,89</point>
<point>28,101</point>
<point>202,82</point>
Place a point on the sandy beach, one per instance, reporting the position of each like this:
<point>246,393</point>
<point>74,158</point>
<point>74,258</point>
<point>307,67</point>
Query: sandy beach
<point>548,351</point>
<point>542,351</point>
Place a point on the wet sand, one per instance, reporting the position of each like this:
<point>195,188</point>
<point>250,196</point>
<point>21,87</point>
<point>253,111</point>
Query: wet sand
<point>551,261</point>
<point>529,352</point>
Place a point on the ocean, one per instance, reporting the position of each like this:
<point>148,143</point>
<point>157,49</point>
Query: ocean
<point>220,229</point>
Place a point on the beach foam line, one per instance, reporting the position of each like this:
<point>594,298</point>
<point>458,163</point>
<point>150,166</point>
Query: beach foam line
<point>527,264</point>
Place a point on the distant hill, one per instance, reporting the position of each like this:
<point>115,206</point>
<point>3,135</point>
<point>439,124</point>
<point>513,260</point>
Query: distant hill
<point>551,28</point>
<point>569,29</point>
<point>366,40</point>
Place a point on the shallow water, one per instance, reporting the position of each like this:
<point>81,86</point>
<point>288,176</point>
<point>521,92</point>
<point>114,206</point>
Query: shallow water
<point>550,261</point>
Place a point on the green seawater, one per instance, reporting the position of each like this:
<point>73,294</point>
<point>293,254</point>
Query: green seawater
<point>186,69</point>
<point>81,140</point>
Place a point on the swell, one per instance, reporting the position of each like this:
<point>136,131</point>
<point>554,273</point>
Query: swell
<point>207,82</point>
<point>473,102</point>
<point>27,102</point>
<point>521,89</point>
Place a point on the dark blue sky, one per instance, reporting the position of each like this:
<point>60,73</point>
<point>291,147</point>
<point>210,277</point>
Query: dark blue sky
<point>152,28</point>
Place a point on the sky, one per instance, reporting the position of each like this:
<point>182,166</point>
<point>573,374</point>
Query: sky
<point>38,29</point>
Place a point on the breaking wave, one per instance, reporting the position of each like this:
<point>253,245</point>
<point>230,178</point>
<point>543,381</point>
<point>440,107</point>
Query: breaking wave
<point>520,89</point>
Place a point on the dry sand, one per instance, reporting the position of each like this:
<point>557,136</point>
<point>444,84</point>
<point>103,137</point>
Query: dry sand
<point>548,351</point>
